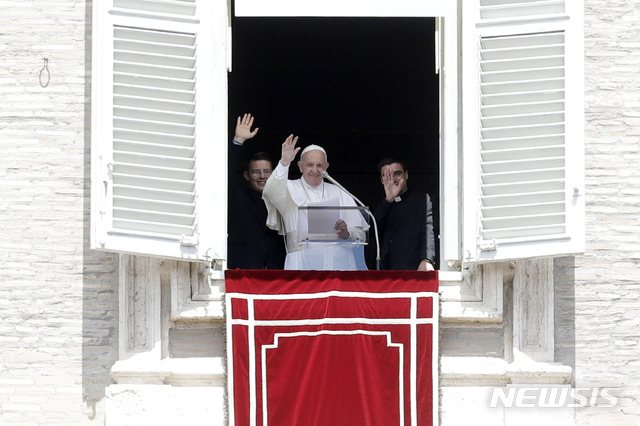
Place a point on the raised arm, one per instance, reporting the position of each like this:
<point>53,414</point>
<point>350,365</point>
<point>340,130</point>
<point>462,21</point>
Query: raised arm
<point>289,150</point>
<point>275,189</point>
<point>243,129</point>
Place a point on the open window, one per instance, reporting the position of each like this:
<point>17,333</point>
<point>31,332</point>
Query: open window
<point>363,88</point>
<point>506,129</point>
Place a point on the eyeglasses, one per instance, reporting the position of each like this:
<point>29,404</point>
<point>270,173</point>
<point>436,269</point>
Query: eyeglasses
<point>257,173</point>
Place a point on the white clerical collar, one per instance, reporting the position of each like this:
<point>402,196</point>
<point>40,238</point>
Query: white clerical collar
<point>399,197</point>
<point>313,193</point>
<point>311,188</point>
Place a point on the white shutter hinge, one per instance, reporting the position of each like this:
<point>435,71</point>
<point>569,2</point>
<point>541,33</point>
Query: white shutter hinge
<point>108,173</point>
<point>488,245</point>
<point>189,241</point>
<point>577,192</point>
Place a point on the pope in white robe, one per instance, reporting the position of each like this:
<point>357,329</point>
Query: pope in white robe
<point>343,250</point>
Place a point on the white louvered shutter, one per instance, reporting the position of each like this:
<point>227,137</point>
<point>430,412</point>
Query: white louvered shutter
<point>159,128</point>
<point>523,129</point>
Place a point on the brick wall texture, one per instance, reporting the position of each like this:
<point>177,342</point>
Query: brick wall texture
<point>58,310</point>
<point>58,299</point>
<point>597,294</point>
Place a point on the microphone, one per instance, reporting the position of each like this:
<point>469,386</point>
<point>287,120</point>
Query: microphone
<point>360,203</point>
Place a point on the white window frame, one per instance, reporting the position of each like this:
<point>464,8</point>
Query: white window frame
<point>446,40</point>
<point>344,8</point>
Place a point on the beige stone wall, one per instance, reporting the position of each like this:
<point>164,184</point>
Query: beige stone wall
<point>602,287</point>
<point>58,310</point>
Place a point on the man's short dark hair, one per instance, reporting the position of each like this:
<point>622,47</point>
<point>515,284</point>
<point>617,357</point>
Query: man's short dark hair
<point>390,160</point>
<point>258,156</point>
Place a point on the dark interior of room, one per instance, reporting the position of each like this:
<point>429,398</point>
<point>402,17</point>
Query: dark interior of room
<point>363,88</point>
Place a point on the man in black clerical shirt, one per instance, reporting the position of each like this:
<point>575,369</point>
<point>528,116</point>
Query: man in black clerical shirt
<point>405,221</point>
<point>251,245</point>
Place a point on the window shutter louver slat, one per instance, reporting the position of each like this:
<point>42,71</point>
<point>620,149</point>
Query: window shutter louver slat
<point>501,9</point>
<point>175,7</point>
<point>153,114</point>
<point>527,135</point>
<point>154,160</point>
<point>157,83</point>
<point>137,169</point>
<point>151,138</point>
<point>139,203</point>
<point>533,198</point>
<point>154,195</point>
<point>143,147</point>
<point>144,70</point>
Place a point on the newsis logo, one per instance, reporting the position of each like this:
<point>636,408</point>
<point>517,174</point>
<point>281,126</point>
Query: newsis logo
<point>536,396</point>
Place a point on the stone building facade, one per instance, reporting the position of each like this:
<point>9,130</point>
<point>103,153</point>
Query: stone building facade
<point>95,337</point>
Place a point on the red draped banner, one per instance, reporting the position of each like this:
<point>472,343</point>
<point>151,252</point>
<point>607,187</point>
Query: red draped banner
<point>327,348</point>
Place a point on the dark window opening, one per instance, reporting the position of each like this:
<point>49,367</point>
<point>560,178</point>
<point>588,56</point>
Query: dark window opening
<point>363,88</point>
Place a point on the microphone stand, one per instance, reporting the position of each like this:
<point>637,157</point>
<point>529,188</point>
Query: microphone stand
<point>375,224</point>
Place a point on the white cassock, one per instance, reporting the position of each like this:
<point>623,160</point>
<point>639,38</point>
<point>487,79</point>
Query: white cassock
<point>283,197</point>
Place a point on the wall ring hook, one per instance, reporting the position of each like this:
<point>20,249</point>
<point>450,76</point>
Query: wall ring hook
<point>44,80</point>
